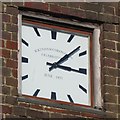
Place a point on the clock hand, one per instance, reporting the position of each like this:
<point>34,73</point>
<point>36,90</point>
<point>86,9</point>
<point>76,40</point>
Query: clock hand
<point>64,58</point>
<point>81,70</point>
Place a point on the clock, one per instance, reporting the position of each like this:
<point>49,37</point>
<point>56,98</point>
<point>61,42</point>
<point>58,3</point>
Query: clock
<point>56,63</point>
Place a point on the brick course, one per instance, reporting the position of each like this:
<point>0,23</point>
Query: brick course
<point>104,14</point>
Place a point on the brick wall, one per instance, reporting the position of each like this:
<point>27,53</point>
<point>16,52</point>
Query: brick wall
<point>104,14</point>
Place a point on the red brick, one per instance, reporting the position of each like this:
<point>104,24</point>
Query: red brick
<point>109,62</point>
<point>24,104</point>
<point>6,109</point>
<point>11,45</point>
<point>14,19</point>
<point>5,17</point>
<point>6,53</point>
<point>56,115</point>
<point>55,8</point>
<point>15,36</point>
<point>15,73</point>
<point>36,5</point>
<point>118,46</point>
<point>11,63</point>
<point>36,107</point>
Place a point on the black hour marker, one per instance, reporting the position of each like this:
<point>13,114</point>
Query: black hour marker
<point>82,88</point>
<point>83,53</point>
<point>70,98</point>
<point>53,35</point>
<point>70,38</point>
<point>36,92</point>
<point>36,31</point>
<point>24,60</point>
<point>53,95</point>
<point>24,77</point>
<point>82,70</point>
<point>24,42</point>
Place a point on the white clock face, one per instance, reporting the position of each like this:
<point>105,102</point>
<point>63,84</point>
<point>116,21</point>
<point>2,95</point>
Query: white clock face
<point>56,64</point>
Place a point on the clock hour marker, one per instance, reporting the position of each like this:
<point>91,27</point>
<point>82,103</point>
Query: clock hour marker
<point>36,31</point>
<point>24,77</point>
<point>24,60</point>
<point>70,98</point>
<point>53,95</point>
<point>53,35</point>
<point>82,70</point>
<point>36,92</point>
<point>82,88</point>
<point>83,53</point>
<point>24,42</point>
<point>70,38</point>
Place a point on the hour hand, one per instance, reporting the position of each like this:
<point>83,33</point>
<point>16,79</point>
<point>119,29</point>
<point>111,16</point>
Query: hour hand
<point>81,70</point>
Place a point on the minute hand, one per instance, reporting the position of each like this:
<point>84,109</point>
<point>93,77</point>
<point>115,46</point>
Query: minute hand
<point>64,58</point>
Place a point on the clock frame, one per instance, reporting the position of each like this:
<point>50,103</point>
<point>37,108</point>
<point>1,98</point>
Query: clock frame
<point>67,29</point>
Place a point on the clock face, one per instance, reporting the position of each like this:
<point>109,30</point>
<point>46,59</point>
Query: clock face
<point>56,64</point>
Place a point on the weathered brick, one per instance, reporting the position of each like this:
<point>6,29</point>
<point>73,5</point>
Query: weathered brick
<point>109,27</point>
<point>92,15</point>
<point>111,36</point>
<point>14,19</point>
<point>12,10</point>
<point>14,55</point>
<point>110,71</point>
<point>6,90</point>
<point>111,107</point>
<point>37,114</point>
<point>91,6</point>
<point>23,104</point>
<point>109,45</point>
<point>56,115</point>
<point>112,90</point>
<point>118,46</point>
<point>34,106</point>
<point>14,91</point>
<point>6,71</point>
<point>110,98</point>
<point>6,35</point>
<point>55,8</point>
<point>11,63</point>
<point>109,10</point>
<point>14,36</point>
<point>17,110</point>
<point>110,54</point>
<point>11,27</point>
<point>10,100</point>
<point>11,81</point>
<point>109,80</point>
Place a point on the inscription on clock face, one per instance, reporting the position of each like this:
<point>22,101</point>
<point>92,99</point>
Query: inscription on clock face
<point>56,64</point>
